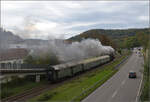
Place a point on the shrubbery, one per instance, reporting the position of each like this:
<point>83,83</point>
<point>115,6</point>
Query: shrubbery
<point>47,96</point>
<point>145,96</point>
<point>42,60</point>
<point>146,89</point>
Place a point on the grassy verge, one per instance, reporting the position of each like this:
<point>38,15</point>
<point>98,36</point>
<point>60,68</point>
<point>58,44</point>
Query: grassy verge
<point>75,87</point>
<point>17,86</point>
<point>145,96</point>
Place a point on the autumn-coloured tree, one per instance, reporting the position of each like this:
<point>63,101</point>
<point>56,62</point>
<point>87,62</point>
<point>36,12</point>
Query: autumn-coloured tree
<point>143,38</point>
<point>94,34</point>
<point>131,42</point>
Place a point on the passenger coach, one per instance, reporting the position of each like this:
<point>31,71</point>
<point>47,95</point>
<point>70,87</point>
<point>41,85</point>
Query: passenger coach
<point>61,71</point>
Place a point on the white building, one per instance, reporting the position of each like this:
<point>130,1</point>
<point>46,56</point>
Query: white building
<point>12,58</point>
<point>17,46</point>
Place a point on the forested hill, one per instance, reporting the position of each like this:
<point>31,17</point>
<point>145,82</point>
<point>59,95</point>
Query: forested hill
<point>115,38</point>
<point>115,33</point>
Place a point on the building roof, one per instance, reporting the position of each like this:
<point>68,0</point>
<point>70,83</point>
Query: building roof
<point>15,53</point>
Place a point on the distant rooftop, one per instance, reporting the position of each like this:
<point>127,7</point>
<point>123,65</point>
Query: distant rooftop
<point>15,53</point>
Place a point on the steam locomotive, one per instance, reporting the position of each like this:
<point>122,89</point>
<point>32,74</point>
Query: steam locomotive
<point>70,69</point>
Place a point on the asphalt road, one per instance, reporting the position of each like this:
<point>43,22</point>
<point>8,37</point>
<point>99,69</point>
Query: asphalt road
<point>120,88</point>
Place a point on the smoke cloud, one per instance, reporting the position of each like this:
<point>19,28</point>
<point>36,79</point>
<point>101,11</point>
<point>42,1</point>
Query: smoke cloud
<point>72,51</point>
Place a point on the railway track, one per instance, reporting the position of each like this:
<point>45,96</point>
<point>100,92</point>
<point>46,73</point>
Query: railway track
<point>26,95</point>
<point>22,97</point>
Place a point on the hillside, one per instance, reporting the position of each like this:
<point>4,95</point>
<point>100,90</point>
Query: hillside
<point>7,37</point>
<point>116,35</point>
<point>8,40</point>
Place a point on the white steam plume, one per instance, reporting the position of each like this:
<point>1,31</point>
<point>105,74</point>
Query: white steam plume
<point>74,51</point>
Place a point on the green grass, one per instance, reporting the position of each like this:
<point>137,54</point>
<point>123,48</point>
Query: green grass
<point>145,96</point>
<point>17,86</point>
<point>75,87</point>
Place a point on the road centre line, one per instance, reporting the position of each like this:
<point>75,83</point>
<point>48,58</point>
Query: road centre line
<point>123,82</point>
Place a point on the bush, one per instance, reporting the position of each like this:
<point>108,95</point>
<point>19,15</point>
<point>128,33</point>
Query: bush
<point>5,93</point>
<point>42,60</point>
<point>47,96</point>
<point>145,96</point>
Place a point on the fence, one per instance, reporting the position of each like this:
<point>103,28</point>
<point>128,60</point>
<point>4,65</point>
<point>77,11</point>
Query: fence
<point>22,66</point>
<point>93,86</point>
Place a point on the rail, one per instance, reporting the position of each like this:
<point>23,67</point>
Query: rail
<point>90,88</point>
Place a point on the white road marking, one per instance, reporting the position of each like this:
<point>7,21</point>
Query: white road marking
<point>114,94</point>
<point>123,82</point>
<point>138,94</point>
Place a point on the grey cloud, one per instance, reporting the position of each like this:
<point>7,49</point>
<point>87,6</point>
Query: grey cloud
<point>108,15</point>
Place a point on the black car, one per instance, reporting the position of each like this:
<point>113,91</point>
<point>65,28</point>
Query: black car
<point>132,74</point>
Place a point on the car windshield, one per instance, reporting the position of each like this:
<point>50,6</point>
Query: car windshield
<point>132,72</point>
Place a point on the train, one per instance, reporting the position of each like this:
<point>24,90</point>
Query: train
<point>62,71</point>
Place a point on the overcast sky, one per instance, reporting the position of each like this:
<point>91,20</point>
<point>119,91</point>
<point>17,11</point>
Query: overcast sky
<point>63,19</point>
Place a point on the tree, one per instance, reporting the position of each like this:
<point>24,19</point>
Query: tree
<point>44,60</point>
<point>120,52</point>
<point>131,42</point>
<point>29,59</point>
<point>143,39</point>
